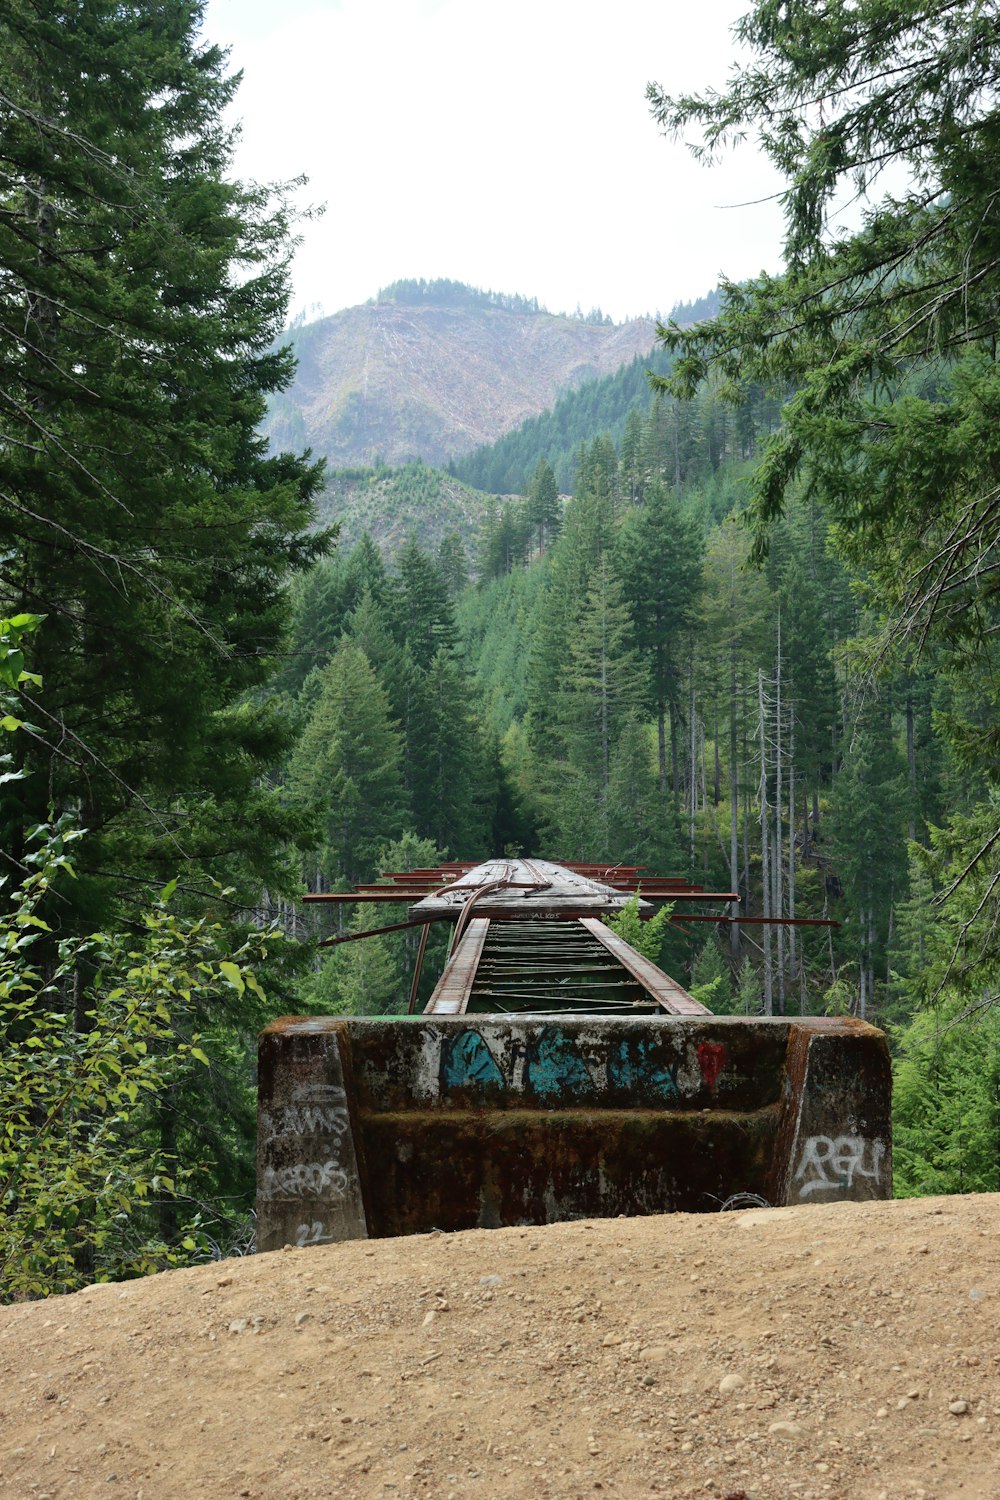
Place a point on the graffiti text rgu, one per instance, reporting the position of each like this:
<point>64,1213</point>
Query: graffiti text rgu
<point>829,1162</point>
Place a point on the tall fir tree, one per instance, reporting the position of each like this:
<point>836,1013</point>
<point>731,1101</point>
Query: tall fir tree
<point>869,820</point>
<point>659,554</point>
<point>542,510</point>
<point>349,763</point>
<point>602,687</point>
<point>142,297</point>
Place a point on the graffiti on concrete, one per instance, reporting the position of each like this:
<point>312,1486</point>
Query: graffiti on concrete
<point>314,1109</point>
<point>315,1113</point>
<point>711,1060</point>
<point>466,1059</point>
<point>554,1067</point>
<point>835,1161</point>
<point>312,1234</point>
<point>304,1179</point>
<point>628,1066</point>
<point>552,1063</point>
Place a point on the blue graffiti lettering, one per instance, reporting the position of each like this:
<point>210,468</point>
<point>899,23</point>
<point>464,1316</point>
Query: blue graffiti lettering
<point>554,1066</point>
<point>465,1060</point>
<point>630,1066</point>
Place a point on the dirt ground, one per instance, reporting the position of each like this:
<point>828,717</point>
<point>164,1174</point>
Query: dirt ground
<point>842,1350</point>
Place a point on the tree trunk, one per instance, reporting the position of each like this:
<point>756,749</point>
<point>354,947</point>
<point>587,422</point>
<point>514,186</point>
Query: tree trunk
<point>717,770</point>
<point>675,770</point>
<point>778,831</point>
<point>793,957</point>
<point>911,767</point>
<point>746,803</point>
<point>661,715</point>
<point>765,839</point>
<point>734,808</point>
<point>693,763</point>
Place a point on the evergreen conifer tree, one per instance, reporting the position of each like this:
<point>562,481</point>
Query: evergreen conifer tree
<point>641,825</point>
<point>659,556</point>
<point>142,296</point>
<point>603,685</point>
<point>868,818</point>
<point>542,508</point>
<point>348,762</point>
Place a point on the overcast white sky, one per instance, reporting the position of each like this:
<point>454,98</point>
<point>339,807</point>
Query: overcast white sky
<point>509,146</point>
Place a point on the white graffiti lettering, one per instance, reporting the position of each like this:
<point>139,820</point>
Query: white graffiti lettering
<point>306,1119</point>
<point>304,1179</point>
<point>834,1162</point>
<point>320,1093</point>
<point>311,1234</point>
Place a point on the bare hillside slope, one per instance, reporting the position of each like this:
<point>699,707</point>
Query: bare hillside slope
<point>396,381</point>
<point>846,1351</point>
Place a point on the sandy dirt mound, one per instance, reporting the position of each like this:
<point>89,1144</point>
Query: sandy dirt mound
<point>845,1350</point>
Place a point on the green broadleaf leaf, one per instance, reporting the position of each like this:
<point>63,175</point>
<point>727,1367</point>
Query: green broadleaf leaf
<point>231,973</point>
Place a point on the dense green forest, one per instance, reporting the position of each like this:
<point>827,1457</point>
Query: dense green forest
<point>743,628</point>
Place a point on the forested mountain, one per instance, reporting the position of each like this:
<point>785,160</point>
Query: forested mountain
<point>432,370</point>
<point>631,687</point>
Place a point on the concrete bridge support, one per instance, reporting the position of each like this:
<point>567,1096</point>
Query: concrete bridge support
<point>403,1125</point>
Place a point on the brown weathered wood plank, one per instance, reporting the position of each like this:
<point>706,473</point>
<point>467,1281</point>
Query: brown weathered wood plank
<point>452,991</point>
<point>664,990</point>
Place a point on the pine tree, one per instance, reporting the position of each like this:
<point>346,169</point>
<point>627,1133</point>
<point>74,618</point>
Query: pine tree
<point>453,565</point>
<point>641,824</point>
<point>603,685</point>
<point>886,338</point>
<point>868,821</point>
<point>348,762</point>
<point>142,297</point>
<point>731,617</point>
<point>542,509</point>
<point>360,978</point>
<point>422,612</point>
<point>658,554</point>
<point>597,475</point>
<point>453,789</point>
<point>633,476</point>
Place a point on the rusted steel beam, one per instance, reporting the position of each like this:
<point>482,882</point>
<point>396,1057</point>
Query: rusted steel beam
<point>654,885</point>
<point>342,898</point>
<point>452,991</point>
<point>672,996</point>
<point>355,937</point>
<point>417,968</point>
<point>389,893</point>
<point>606,866</point>
<point>759,921</point>
<point>654,895</point>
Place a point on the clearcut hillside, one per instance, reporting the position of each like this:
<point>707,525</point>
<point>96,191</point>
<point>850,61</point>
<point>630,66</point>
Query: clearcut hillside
<point>434,370</point>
